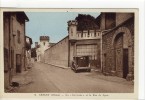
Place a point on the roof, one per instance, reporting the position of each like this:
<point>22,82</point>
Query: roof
<point>30,39</point>
<point>44,38</point>
<point>22,15</point>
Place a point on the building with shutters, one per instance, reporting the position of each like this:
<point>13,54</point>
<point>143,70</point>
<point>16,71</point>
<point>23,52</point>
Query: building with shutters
<point>14,44</point>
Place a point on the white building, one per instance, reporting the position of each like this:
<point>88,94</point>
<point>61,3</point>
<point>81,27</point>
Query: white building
<point>41,47</point>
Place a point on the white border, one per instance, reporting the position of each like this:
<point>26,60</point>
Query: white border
<point>95,4</point>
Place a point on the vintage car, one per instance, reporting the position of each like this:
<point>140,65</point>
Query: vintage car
<point>81,63</point>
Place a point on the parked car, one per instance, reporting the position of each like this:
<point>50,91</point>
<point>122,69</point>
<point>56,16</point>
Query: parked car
<point>81,63</point>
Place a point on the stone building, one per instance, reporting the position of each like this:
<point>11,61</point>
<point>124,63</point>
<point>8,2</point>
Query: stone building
<point>41,47</point>
<point>14,44</point>
<point>118,44</point>
<point>77,43</point>
<point>82,43</point>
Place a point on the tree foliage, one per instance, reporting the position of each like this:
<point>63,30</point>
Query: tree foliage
<point>86,22</point>
<point>33,52</point>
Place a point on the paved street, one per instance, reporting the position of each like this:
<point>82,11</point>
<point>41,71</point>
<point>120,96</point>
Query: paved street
<point>49,79</point>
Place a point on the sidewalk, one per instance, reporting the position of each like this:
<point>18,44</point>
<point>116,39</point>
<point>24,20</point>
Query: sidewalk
<point>63,67</point>
<point>100,75</point>
<point>22,79</point>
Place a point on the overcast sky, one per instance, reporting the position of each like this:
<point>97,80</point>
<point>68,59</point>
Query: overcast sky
<point>52,24</point>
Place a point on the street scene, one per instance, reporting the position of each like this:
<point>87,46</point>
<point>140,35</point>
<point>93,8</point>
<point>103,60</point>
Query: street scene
<point>68,52</point>
<point>43,78</point>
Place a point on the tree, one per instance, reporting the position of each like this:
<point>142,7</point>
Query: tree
<point>86,22</point>
<point>33,53</point>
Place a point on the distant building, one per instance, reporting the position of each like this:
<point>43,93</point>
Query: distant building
<point>14,44</point>
<point>41,47</point>
<point>28,51</point>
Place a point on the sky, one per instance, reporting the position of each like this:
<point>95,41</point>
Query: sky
<point>52,24</point>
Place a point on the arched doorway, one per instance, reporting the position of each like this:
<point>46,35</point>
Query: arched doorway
<point>121,56</point>
<point>122,45</point>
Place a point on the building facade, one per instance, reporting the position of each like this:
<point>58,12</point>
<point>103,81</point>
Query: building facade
<point>84,43</point>
<point>41,47</point>
<point>14,44</point>
<point>77,43</point>
<point>118,44</point>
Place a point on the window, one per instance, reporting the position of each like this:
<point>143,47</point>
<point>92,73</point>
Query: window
<point>81,34</point>
<point>88,34</point>
<point>95,34</point>
<point>98,34</point>
<point>71,32</point>
<point>43,43</point>
<point>18,36</point>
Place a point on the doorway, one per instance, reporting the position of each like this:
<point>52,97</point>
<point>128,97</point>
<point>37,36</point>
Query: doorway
<point>125,63</point>
<point>18,63</point>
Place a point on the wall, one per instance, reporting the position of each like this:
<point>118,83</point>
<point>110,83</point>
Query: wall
<point>108,50</point>
<point>107,20</point>
<point>11,47</point>
<point>19,47</point>
<point>58,54</point>
<point>38,54</point>
<point>121,17</point>
<point>91,34</point>
<point>7,65</point>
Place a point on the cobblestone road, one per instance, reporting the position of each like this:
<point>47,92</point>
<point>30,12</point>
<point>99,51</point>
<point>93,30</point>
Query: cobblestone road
<point>44,78</point>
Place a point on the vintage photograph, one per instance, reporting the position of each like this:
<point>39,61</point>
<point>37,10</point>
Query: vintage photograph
<point>69,52</point>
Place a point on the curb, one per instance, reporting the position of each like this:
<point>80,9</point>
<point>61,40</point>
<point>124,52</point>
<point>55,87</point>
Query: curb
<point>63,67</point>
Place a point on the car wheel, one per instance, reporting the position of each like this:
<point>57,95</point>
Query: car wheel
<point>75,71</point>
<point>89,70</point>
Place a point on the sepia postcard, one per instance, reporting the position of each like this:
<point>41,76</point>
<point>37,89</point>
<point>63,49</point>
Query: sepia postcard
<point>69,53</point>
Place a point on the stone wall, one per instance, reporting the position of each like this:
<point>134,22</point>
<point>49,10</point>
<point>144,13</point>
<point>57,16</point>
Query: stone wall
<point>58,54</point>
<point>108,48</point>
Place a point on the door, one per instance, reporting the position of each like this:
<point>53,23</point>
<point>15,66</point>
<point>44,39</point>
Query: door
<point>125,62</point>
<point>119,55</point>
<point>88,49</point>
<point>18,63</point>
